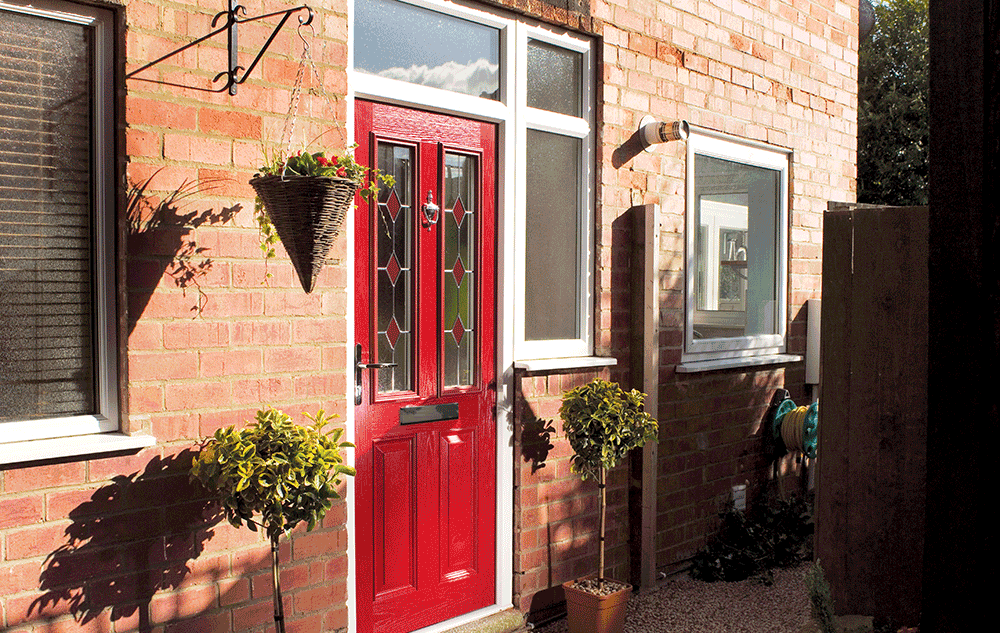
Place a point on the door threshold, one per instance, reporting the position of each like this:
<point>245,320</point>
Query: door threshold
<point>493,619</point>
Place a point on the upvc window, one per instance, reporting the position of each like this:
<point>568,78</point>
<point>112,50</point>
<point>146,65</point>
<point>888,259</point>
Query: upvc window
<point>737,247</point>
<point>58,353</point>
<point>554,299</point>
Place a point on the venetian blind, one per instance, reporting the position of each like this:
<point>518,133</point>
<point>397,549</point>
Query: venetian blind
<point>46,291</point>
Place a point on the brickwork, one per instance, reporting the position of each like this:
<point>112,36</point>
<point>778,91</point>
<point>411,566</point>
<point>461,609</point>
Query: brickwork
<point>126,543</point>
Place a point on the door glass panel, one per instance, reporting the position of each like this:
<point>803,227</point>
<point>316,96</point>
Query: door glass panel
<point>552,237</point>
<point>461,178</point>
<point>413,44</point>
<point>554,78</point>
<point>394,278</point>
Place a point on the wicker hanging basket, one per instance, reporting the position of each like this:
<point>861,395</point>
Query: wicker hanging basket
<point>307,213</point>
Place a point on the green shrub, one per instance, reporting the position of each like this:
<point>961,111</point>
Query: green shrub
<point>283,471</point>
<point>773,534</point>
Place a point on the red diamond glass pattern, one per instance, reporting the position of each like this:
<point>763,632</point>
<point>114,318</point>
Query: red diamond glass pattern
<point>458,330</point>
<point>392,205</point>
<point>458,211</point>
<point>392,269</point>
<point>458,271</point>
<point>392,332</point>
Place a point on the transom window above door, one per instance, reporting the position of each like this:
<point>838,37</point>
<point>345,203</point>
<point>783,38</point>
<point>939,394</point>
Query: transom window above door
<point>538,84</point>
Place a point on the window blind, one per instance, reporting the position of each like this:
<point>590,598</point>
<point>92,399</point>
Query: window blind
<point>47,355</point>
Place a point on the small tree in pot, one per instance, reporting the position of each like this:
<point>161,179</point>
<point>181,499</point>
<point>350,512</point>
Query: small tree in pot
<point>602,423</point>
<point>285,472</point>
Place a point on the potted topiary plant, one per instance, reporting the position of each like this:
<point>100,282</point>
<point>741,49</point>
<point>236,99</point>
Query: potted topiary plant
<point>285,472</point>
<point>602,423</point>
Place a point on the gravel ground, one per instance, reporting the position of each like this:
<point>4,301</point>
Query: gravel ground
<point>683,605</point>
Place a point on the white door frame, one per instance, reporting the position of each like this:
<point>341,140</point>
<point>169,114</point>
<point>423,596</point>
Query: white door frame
<point>360,85</point>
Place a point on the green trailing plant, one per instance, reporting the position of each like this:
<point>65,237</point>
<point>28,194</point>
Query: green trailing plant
<point>772,534</point>
<point>603,423</point>
<point>819,596</point>
<point>274,474</point>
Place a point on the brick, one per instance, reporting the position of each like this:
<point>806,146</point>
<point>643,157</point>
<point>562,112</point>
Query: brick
<point>20,511</point>
<point>40,540</point>
<point>139,111</point>
<point>229,124</point>
<point>162,365</point>
<point>42,477</point>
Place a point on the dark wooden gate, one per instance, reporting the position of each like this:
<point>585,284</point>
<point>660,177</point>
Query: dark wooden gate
<point>873,427</point>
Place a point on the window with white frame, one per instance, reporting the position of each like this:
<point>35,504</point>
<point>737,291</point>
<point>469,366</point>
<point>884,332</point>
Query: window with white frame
<point>538,83</point>
<point>554,298</point>
<point>58,350</point>
<point>737,247</point>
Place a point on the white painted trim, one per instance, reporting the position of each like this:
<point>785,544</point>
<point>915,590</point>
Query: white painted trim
<point>557,364</point>
<point>719,145</point>
<point>105,305</point>
<point>91,445</point>
<point>736,363</point>
<point>350,428</point>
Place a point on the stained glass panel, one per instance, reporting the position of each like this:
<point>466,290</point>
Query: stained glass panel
<point>459,274</point>
<point>394,279</point>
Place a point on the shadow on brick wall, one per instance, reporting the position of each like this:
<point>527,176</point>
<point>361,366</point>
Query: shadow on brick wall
<point>133,538</point>
<point>161,240</point>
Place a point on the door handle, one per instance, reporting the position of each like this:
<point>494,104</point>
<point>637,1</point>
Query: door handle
<point>359,368</point>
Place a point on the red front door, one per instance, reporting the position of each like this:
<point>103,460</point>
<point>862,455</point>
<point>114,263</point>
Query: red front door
<point>425,378</point>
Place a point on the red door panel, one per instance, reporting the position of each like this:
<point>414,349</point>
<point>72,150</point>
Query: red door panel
<point>425,328</point>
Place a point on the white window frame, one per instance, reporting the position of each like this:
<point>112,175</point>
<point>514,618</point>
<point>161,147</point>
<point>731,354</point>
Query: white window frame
<point>105,341</point>
<point>717,145</point>
<point>575,127</point>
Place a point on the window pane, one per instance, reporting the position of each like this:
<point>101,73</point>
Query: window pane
<point>459,218</point>
<point>554,78</point>
<point>552,237</point>
<point>736,210</point>
<point>394,278</point>
<point>46,307</point>
<point>420,46</point>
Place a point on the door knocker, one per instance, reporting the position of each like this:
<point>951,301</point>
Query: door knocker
<point>431,211</point>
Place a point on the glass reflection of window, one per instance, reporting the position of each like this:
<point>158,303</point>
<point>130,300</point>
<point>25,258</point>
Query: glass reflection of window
<point>395,270</point>
<point>736,257</point>
<point>416,45</point>
<point>460,206</point>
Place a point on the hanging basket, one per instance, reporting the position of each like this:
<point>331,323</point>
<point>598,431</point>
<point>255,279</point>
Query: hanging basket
<point>307,212</point>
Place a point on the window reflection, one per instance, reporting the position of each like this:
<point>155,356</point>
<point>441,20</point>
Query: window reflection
<point>735,244</point>
<point>416,45</point>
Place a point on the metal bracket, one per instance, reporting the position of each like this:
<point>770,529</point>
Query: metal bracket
<point>231,21</point>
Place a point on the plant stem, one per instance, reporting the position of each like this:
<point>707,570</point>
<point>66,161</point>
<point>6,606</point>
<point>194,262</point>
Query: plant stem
<point>601,505</point>
<point>279,611</point>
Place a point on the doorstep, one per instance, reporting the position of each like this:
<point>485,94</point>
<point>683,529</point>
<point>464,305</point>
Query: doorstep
<point>504,622</point>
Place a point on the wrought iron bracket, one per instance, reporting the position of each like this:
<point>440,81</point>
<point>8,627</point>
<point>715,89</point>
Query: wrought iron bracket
<point>230,21</point>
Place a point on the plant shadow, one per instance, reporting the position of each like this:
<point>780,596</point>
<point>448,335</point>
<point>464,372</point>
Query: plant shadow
<point>161,240</point>
<point>125,544</point>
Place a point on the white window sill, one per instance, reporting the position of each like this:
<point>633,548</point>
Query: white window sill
<point>694,367</point>
<point>557,364</point>
<point>90,445</point>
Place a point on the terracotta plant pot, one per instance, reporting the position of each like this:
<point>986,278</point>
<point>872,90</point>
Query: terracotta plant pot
<point>587,613</point>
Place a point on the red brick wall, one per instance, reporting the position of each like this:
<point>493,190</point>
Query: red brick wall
<point>126,542</point>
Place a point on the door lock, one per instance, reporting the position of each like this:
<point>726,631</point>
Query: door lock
<point>359,368</point>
